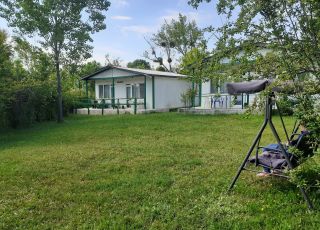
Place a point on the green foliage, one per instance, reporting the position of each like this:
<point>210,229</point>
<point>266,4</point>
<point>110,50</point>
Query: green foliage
<point>38,64</point>
<point>181,35</point>
<point>27,88</point>
<point>187,98</point>
<point>307,175</point>
<point>177,36</point>
<point>286,105</point>
<point>139,64</point>
<point>31,102</point>
<point>192,64</point>
<point>5,56</point>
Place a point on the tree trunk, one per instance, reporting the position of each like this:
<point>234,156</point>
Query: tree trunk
<point>59,92</point>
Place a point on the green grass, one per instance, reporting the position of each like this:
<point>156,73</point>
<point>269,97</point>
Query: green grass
<point>157,171</point>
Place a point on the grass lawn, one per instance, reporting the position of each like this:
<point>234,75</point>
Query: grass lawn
<point>157,171</point>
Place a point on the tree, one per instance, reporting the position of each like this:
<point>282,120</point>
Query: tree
<point>139,64</point>
<point>63,26</point>
<point>113,61</point>
<point>5,56</point>
<point>192,64</point>
<point>86,69</point>
<point>38,64</point>
<point>178,36</point>
<point>287,28</point>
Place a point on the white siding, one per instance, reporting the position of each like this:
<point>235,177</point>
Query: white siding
<point>206,87</point>
<point>168,92</point>
<point>112,73</point>
<point>149,93</point>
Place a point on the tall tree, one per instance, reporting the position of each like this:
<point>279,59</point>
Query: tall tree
<point>63,26</point>
<point>5,56</point>
<point>177,36</point>
<point>139,64</point>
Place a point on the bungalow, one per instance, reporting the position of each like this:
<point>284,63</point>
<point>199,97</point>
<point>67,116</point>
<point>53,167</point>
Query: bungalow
<point>151,90</point>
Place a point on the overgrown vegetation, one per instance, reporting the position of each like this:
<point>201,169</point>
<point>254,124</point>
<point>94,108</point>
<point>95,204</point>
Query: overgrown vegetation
<point>28,87</point>
<point>156,171</point>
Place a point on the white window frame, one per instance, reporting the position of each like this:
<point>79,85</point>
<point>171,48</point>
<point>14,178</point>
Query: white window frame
<point>103,91</point>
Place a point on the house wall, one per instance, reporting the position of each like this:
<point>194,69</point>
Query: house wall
<point>149,93</point>
<point>168,92</point>
<point>112,73</point>
<point>206,87</point>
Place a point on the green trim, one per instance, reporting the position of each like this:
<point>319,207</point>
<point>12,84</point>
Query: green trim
<point>112,93</point>
<point>153,94</point>
<point>107,78</point>
<point>193,97</point>
<point>135,105</point>
<point>200,92</point>
<point>87,89</point>
<point>145,92</point>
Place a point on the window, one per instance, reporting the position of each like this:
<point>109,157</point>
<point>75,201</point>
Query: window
<point>213,87</point>
<point>128,91</point>
<point>141,91</point>
<point>104,91</point>
<point>138,91</point>
<point>100,91</point>
<point>134,91</point>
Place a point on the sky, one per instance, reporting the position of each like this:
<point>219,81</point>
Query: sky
<point>129,21</point>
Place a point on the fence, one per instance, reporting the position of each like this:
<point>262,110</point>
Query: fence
<point>112,103</point>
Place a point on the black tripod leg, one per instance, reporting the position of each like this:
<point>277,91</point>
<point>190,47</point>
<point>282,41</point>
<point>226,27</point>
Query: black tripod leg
<point>248,154</point>
<point>284,153</point>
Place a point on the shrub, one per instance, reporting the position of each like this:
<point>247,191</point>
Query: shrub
<point>31,102</point>
<point>24,103</point>
<point>188,97</point>
<point>286,105</point>
<point>307,174</point>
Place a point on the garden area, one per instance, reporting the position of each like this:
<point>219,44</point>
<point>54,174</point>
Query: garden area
<point>156,171</point>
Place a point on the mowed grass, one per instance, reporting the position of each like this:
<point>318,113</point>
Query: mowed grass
<point>157,171</point>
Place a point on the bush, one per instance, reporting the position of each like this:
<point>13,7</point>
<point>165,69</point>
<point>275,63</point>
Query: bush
<point>31,102</point>
<point>286,105</point>
<point>188,97</point>
<point>23,104</point>
<point>307,174</point>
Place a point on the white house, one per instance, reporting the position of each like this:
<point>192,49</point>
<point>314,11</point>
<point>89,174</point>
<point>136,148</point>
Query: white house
<point>153,90</point>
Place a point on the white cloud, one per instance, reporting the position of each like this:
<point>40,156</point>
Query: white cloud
<point>120,17</point>
<point>119,3</point>
<point>139,29</point>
